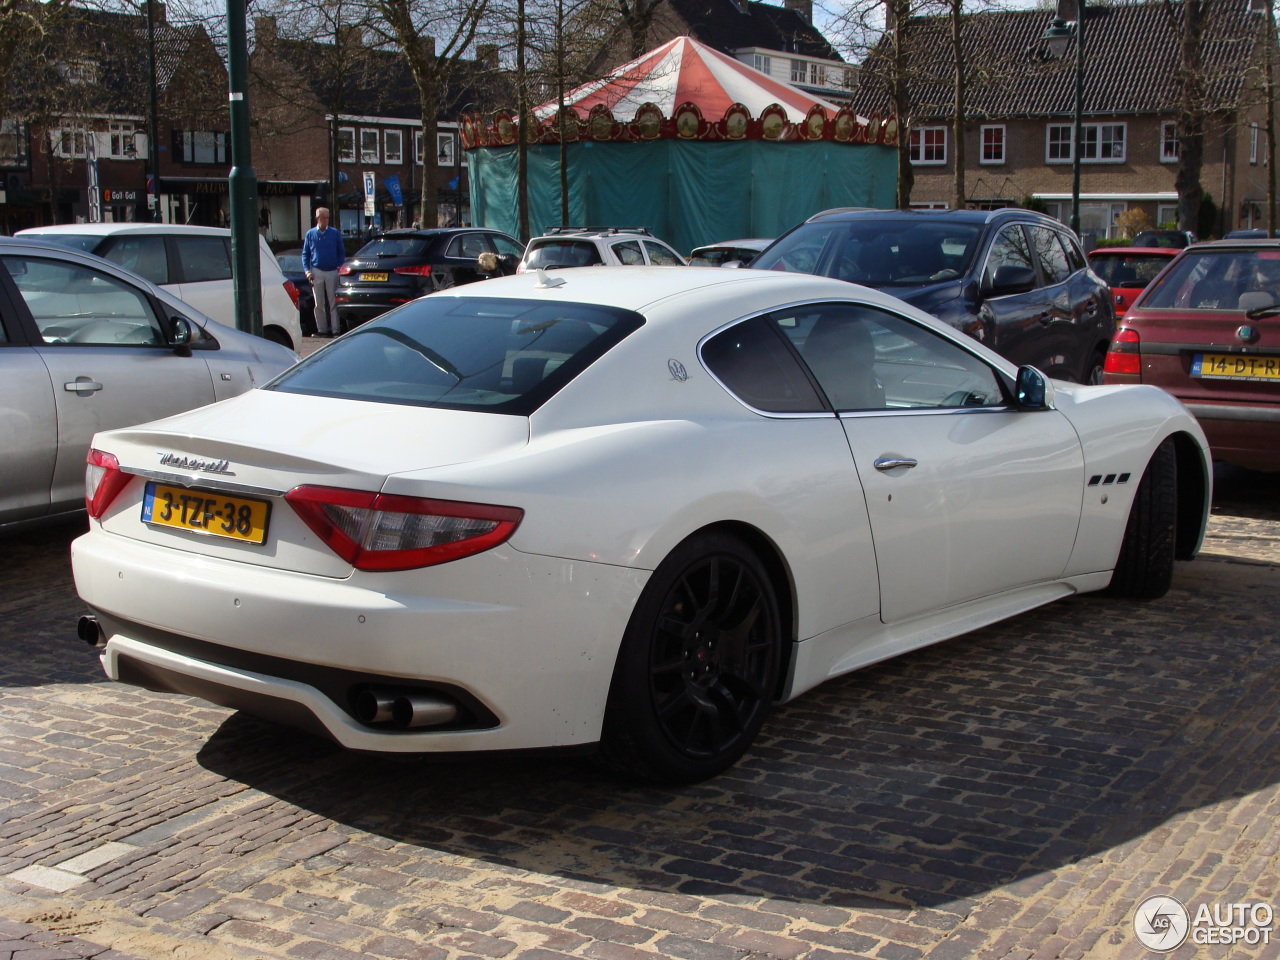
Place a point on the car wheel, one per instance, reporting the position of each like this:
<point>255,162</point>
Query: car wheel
<point>1093,370</point>
<point>276,335</point>
<point>698,665</point>
<point>1144,569</point>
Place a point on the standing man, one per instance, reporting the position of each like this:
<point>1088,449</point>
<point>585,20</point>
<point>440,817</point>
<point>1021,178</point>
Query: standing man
<point>322,255</point>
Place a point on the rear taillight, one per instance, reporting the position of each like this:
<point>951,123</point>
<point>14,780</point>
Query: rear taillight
<point>421,270</point>
<point>103,481</point>
<point>1125,355</point>
<point>292,291</point>
<point>377,531</point>
<point>343,270</point>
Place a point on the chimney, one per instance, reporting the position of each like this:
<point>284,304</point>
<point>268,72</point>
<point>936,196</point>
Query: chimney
<point>802,7</point>
<point>487,53</point>
<point>264,31</point>
<point>890,17</point>
<point>158,12</point>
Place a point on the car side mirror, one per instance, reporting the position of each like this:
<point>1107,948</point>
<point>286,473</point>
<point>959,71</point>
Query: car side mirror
<point>1012,278</point>
<point>1033,389</point>
<point>180,335</point>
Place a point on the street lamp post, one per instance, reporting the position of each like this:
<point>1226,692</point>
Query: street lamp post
<point>1058,36</point>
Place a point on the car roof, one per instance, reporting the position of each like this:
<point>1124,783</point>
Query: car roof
<point>752,242</point>
<point>1169,252</point>
<point>433,231</point>
<point>943,216</point>
<point>110,229</point>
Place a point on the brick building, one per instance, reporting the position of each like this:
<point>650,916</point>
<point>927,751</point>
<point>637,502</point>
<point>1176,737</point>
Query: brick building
<point>1018,131</point>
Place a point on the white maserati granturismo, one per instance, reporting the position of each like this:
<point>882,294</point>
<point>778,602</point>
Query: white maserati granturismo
<point>622,510</point>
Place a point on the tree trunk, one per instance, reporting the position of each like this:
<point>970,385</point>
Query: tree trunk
<point>957,121</point>
<point>1190,115</point>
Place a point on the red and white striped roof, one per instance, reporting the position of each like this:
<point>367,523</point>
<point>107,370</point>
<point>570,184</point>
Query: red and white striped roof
<point>684,70</point>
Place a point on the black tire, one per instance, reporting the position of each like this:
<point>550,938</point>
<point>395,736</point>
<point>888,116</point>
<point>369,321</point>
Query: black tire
<point>698,665</point>
<point>276,335</point>
<point>1093,369</point>
<point>1144,569</point>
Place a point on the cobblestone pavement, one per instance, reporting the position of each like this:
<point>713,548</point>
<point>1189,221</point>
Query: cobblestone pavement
<point>1011,794</point>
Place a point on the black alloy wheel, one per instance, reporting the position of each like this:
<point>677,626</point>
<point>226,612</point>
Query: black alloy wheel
<point>698,666</point>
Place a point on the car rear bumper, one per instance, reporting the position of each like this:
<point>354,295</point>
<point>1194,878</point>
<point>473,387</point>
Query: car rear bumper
<point>1244,434</point>
<point>523,645</point>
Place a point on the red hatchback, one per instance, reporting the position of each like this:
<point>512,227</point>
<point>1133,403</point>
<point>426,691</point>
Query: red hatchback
<point>1207,329</point>
<point>1128,270</point>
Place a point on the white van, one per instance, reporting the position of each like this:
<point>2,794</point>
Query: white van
<point>192,263</point>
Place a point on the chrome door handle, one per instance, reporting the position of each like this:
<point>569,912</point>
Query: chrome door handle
<point>888,463</point>
<point>82,386</point>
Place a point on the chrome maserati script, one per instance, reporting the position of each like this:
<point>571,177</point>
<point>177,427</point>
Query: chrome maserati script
<point>195,463</point>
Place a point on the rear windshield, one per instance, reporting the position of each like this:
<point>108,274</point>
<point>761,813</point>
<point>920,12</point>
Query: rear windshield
<point>1219,280</point>
<point>875,252</point>
<point>76,241</point>
<point>1128,270</point>
<point>394,247</point>
<point>563,253</point>
<point>463,353</point>
<point>290,262</point>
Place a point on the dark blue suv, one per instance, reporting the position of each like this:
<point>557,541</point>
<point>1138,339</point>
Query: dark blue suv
<point>1015,279</point>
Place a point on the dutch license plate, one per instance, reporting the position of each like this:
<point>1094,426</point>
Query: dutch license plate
<point>203,511</point>
<point>373,277</point>
<point>1221,366</point>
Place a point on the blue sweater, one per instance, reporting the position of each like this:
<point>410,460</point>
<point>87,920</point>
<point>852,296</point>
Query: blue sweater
<point>323,250</point>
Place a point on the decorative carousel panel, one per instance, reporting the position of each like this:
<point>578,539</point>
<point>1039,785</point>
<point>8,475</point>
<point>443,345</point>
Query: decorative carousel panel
<point>648,122</point>
<point>600,123</point>
<point>773,122</point>
<point>736,123</point>
<point>689,122</point>
<point>815,124</point>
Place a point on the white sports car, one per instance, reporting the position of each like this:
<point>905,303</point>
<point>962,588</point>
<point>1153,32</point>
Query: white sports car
<point>621,510</point>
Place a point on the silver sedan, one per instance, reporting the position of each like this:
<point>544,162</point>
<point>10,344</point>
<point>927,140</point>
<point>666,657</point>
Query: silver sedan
<point>86,346</point>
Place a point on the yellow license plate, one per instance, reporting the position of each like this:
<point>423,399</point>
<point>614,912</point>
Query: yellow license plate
<point>203,511</point>
<point>376,277</point>
<point>1234,366</point>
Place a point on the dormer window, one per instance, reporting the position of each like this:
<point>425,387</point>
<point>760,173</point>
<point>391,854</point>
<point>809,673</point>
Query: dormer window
<point>78,71</point>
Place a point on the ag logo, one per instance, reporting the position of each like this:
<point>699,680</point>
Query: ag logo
<point>1161,924</point>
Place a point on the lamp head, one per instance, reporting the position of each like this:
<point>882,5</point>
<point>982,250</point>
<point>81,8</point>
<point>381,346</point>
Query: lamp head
<point>1059,36</point>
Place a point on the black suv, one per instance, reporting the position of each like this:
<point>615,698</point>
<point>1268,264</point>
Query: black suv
<point>402,265</point>
<point>1014,279</point>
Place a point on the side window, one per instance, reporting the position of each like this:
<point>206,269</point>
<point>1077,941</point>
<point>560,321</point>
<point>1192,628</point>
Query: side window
<point>467,245</point>
<point>144,255</point>
<point>75,305</point>
<point>628,253</point>
<point>662,255</point>
<point>868,359</point>
<point>754,363</point>
<point>1052,257</point>
<point>1075,256</point>
<point>506,245</point>
<point>1009,249</point>
<point>801,251</point>
<point>203,259</point>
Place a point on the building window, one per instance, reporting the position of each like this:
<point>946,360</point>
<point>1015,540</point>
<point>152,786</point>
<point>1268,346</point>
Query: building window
<point>122,145</point>
<point>1167,213</point>
<point>817,75</point>
<point>69,139</point>
<point>1099,143</point>
<point>799,70</point>
<point>1169,142</point>
<point>346,144</point>
<point>201,146</point>
<point>393,146</point>
<point>13,143</point>
<point>762,63</point>
<point>369,152</point>
<point>445,155</point>
<point>417,148</point>
<point>1253,143</point>
<point>850,79</point>
<point>992,144</point>
<point>929,145</point>
<point>77,71</point>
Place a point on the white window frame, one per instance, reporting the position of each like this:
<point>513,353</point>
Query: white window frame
<point>982,143</point>
<point>817,75</point>
<point>67,140</point>
<point>393,154</point>
<point>445,147</point>
<point>1169,142</point>
<point>370,145</point>
<point>347,156</point>
<point>120,138</point>
<point>799,71</point>
<point>14,133</point>
<point>919,147</point>
<point>1166,213</point>
<point>1092,136</point>
<point>417,147</point>
<point>1253,143</point>
<point>762,62</point>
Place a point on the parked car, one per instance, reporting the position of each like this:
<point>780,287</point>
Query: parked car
<point>1128,270</point>
<point>598,246</point>
<point>291,266</point>
<point>192,263</point>
<point>1013,279</point>
<point>402,265</point>
<point>1164,238</point>
<point>87,347</point>
<point>730,251</point>
<point>476,543</point>
<point>1208,331</point>
<point>1249,234</point>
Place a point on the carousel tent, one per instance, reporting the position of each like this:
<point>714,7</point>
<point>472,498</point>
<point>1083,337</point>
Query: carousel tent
<point>688,142</point>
